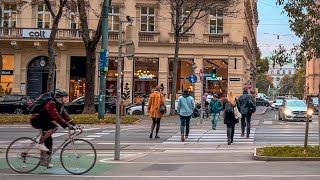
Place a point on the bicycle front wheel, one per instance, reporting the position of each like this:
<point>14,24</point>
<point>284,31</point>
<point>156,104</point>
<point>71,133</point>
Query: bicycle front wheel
<point>78,156</point>
<point>22,156</point>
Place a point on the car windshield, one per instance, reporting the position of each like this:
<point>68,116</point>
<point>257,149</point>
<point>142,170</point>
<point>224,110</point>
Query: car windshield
<point>280,101</point>
<point>296,103</point>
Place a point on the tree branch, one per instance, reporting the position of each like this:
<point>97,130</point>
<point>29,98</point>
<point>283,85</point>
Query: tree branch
<point>98,32</point>
<point>48,3</point>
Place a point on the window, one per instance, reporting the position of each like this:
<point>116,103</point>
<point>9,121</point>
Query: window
<point>147,19</point>
<point>9,14</point>
<point>114,18</point>
<point>284,72</point>
<point>271,71</point>
<point>184,15</point>
<point>43,16</point>
<point>290,72</point>
<point>278,79</point>
<point>278,71</point>
<point>216,22</point>
<point>74,17</point>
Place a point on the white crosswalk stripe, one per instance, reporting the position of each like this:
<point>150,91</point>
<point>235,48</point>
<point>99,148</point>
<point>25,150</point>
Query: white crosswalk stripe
<point>218,136</point>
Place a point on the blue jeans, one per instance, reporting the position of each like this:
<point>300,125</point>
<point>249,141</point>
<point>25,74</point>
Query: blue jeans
<point>245,121</point>
<point>185,122</point>
<point>215,119</point>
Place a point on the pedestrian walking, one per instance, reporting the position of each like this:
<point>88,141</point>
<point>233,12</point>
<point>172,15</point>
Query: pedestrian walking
<point>230,109</point>
<point>247,108</point>
<point>215,107</point>
<point>185,109</point>
<point>156,99</point>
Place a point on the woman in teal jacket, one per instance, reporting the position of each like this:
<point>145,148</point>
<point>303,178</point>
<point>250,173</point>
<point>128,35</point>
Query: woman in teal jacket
<point>216,107</point>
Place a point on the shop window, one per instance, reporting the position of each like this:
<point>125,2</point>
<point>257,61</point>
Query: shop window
<point>184,72</point>
<point>7,74</point>
<point>218,85</point>
<point>112,76</point>
<point>77,77</point>
<point>146,72</point>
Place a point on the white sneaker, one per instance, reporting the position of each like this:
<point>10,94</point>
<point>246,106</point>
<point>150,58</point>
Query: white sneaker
<point>42,147</point>
<point>44,164</point>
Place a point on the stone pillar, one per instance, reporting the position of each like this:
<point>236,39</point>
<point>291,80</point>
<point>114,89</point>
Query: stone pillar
<point>128,77</point>
<point>163,73</point>
<point>239,72</point>
<point>62,79</point>
<point>197,87</point>
<point>17,74</point>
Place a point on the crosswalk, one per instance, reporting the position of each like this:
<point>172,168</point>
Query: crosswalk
<point>206,136</point>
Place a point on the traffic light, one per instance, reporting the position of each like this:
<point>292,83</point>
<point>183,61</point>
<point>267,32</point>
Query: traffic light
<point>214,73</point>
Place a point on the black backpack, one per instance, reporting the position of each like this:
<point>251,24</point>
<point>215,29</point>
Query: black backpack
<point>251,107</point>
<point>38,105</point>
<point>229,108</point>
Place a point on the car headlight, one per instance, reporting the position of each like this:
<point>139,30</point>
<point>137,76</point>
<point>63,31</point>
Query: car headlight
<point>287,112</point>
<point>310,112</point>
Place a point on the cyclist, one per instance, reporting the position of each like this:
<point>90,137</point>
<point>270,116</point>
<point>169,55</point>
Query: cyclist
<point>47,117</point>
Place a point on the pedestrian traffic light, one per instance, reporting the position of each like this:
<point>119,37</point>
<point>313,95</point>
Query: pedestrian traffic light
<point>214,73</point>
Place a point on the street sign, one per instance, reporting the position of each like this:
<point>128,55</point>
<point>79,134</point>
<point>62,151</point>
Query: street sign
<point>104,60</point>
<point>193,79</point>
<point>214,79</point>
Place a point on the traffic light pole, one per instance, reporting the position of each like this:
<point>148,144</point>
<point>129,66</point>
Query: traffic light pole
<point>103,59</point>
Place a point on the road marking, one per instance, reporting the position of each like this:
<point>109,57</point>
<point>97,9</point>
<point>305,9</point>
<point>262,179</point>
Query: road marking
<point>267,122</point>
<point>165,177</point>
<point>93,136</point>
<point>88,139</point>
<point>58,134</point>
<point>103,133</point>
<point>109,131</point>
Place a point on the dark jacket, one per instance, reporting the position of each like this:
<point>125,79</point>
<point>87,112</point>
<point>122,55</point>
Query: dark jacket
<point>229,118</point>
<point>53,111</point>
<point>215,106</point>
<point>244,104</point>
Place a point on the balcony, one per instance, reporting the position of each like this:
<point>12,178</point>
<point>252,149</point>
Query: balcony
<point>149,37</point>
<point>216,38</point>
<point>187,38</point>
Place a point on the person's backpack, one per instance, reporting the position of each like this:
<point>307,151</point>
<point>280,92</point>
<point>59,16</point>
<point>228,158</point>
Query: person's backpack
<point>38,105</point>
<point>251,107</point>
<point>229,109</point>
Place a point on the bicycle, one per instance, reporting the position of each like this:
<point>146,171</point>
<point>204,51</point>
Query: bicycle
<point>23,150</point>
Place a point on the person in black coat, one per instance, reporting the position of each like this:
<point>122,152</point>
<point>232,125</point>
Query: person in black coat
<point>229,117</point>
<point>245,102</point>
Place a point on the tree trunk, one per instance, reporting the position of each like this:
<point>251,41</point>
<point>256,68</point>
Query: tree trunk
<point>51,57</point>
<point>175,73</point>
<point>89,107</point>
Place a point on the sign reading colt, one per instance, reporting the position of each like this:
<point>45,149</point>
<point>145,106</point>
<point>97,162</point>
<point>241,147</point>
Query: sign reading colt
<point>36,33</point>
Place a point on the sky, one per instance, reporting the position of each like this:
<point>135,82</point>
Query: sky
<point>272,23</point>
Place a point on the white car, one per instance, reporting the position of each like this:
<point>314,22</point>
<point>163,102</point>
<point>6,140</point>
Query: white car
<point>137,110</point>
<point>276,104</point>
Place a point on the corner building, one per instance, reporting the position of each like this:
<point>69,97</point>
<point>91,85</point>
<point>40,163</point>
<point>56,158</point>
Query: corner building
<point>227,44</point>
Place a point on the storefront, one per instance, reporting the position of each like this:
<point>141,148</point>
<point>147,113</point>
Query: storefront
<point>77,77</point>
<point>145,79</point>
<point>112,76</point>
<point>184,72</point>
<point>7,74</point>
<point>219,84</point>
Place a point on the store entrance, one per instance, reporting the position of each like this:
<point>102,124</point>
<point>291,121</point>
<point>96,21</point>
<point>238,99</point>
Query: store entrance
<point>218,85</point>
<point>37,76</point>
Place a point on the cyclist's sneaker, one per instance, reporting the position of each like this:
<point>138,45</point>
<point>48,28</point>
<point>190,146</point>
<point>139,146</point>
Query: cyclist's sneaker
<point>42,147</point>
<point>44,163</point>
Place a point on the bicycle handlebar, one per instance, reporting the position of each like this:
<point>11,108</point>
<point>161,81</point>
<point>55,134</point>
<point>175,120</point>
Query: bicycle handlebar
<point>73,132</point>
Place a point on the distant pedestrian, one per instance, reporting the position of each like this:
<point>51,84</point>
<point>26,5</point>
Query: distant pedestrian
<point>229,115</point>
<point>185,109</point>
<point>215,107</point>
<point>155,100</point>
<point>247,108</point>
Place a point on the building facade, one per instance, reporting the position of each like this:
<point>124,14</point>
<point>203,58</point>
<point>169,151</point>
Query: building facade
<point>227,44</point>
<point>278,72</point>
<point>313,77</point>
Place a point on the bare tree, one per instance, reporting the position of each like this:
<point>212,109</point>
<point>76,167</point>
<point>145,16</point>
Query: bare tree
<point>90,41</point>
<point>56,16</point>
<point>184,15</point>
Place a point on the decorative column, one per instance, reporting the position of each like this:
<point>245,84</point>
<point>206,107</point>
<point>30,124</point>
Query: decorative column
<point>164,73</point>
<point>198,87</point>
<point>17,75</point>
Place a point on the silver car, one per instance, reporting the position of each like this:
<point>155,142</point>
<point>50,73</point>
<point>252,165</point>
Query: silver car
<point>294,110</point>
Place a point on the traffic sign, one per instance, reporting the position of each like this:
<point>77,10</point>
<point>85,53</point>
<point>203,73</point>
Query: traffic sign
<point>193,79</point>
<point>104,60</point>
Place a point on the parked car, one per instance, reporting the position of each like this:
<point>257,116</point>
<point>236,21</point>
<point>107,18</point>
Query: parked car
<point>77,105</point>
<point>137,110</point>
<point>276,104</point>
<point>262,102</point>
<point>294,110</point>
<point>315,104</point>
<point>15,104</point>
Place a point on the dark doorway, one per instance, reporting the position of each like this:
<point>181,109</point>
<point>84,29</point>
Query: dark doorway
<point>37,76</point>
<point>77,76</point>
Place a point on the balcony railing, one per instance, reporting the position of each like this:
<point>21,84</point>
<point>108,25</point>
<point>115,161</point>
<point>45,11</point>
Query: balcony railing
<point>17,33</point>
<point>216,38</point>
<point>187,38</point>
<point>148,36</point>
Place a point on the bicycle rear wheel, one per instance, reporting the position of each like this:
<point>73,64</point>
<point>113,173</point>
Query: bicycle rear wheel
<point>22,156</point>
<point>78,156</point>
